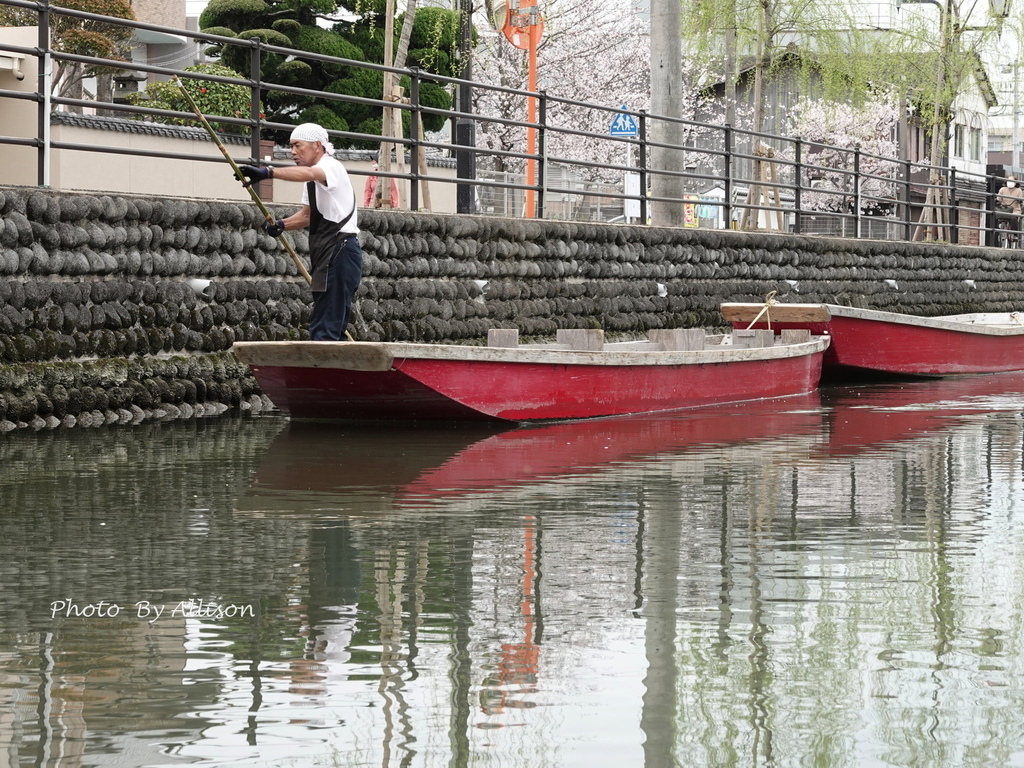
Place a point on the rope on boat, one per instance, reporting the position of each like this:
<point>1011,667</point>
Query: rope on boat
<point>769,301</point>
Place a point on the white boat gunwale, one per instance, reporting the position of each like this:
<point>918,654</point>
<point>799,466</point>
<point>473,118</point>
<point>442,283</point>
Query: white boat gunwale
<point>985,323</point>
<point>381,356</point>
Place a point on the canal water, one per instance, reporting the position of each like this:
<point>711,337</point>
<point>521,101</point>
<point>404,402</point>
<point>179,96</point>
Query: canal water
<point>832,580</point>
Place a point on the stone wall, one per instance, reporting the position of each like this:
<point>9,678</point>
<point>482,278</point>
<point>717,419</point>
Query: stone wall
<point>106,317</point>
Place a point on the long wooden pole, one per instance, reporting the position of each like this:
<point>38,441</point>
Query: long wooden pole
<point>238,173</point>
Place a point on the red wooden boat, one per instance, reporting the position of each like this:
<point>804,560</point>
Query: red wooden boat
<point>868,340</point>
<point>578,377</point>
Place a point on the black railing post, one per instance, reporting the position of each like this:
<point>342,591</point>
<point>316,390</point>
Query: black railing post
<point>857,202</point>
<point>642,164</point>
<point>414,139</point>
<point>798,199</point>
<point>465,127</point>
<point>954,209</point>
<point>44,84</point>
<point>542,116</point>
<point>255,77</point>
<point>905,195</point>
<point>727,175</point>
<point>991,222</point>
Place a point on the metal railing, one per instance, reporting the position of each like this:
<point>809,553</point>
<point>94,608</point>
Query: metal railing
<point>723,176</point>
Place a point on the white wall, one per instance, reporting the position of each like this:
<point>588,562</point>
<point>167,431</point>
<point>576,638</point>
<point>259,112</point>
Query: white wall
<point>17,116</point>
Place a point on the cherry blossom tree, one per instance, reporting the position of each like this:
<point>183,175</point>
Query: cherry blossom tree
<point>964,28</point>
<point>926,50</point>
<point>755,39</point>
<point>831,132</point>
<point>591,52</point>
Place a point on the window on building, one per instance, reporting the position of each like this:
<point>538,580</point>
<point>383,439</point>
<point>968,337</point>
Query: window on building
<point>997,143</point>
<point>917,148</point>
<point>958,140</point>
<point>974,147</point>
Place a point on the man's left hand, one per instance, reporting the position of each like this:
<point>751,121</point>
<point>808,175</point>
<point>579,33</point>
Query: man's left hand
<point>274,228</point>
<point>254,174</point>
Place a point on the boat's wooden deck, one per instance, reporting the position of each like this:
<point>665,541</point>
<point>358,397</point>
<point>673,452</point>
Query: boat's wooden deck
<point>755,345</point>
<point>987,323</point>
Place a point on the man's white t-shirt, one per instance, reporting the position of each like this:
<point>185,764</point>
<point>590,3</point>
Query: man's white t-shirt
<point>335,199</point>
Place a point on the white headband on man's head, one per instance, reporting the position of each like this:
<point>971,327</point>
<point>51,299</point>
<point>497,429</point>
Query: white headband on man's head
<point>314,134</point>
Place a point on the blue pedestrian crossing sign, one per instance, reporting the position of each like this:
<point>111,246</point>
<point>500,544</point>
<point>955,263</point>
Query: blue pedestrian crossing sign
<point>624,124</point>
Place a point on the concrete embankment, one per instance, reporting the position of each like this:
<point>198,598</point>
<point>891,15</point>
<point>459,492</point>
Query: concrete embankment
<point>102,319</point>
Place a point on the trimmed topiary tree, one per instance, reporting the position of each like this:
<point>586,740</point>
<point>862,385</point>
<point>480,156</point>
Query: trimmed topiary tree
<point>356,34</point>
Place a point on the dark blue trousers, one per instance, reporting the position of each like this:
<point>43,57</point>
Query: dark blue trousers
<point>331,308</point>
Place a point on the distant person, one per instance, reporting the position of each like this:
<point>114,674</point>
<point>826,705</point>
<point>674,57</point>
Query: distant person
<point>1008,203</point>
<point>329,210</point>
<point>1009,196</point>
<point>370,199</point>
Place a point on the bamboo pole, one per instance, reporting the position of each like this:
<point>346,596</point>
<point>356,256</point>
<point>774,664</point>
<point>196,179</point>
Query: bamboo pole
<point>238,173</point>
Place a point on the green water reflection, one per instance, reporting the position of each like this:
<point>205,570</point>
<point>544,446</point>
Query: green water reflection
<point>824,581</point>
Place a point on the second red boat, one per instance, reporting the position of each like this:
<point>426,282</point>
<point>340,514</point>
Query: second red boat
<point>868,340</point>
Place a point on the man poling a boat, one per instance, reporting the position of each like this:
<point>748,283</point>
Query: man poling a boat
<point>329,210</point>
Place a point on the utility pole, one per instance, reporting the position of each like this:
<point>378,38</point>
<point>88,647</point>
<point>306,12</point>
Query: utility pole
<point>666,101</point>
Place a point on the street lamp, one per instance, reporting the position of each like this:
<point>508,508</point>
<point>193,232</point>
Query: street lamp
<point>1016,112</point>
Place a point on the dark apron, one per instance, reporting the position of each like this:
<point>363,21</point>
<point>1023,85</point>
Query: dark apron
<point>325,240</point>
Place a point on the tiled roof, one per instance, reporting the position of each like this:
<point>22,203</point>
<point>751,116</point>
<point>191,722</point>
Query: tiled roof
<point>369,155</point>
<point>144,127</point>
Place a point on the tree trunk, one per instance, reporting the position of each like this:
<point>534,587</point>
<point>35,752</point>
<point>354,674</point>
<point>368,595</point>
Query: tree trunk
<point>387,130</point>
<point>755,191</point>
<point>391,122</point>
<point>68,83</point>
<point>105,93</point>
<point>934,221</point>
<point>403,39</point>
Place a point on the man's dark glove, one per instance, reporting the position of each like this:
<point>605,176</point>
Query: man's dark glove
<point>275,228</point>
<point>254,174</point>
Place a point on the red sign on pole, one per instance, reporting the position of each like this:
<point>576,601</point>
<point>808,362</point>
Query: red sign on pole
<point>523,22</point>
<point>523,28</point>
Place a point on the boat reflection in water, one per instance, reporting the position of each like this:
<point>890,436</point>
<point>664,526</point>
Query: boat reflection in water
<point>348,468</point>
<point>398,492</point>
<point>862,418</point>
<point>312,461</point>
